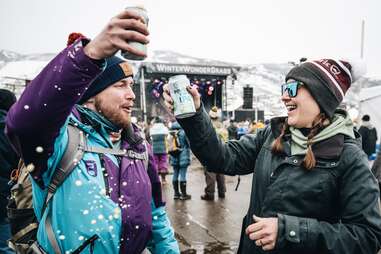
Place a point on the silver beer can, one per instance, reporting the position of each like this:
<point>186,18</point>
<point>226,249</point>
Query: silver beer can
<point>182,100</point>
<point>141,11</point>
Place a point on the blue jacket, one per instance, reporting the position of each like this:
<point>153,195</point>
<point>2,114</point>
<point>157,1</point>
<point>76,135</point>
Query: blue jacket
<point>115,200</point>
<point>183,160</point>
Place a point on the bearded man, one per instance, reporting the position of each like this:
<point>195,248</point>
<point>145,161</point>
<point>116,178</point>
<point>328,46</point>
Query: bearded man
<point>113,198</point>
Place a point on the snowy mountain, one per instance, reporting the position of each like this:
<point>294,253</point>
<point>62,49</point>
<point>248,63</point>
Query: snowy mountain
<point>162,56</point>
<point>264,78</point>
<point>8,56</point>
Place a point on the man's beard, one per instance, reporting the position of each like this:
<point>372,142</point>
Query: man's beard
<point>112,113</point>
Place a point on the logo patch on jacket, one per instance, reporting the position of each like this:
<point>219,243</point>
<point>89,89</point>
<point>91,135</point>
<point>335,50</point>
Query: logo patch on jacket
<point>91,168</point>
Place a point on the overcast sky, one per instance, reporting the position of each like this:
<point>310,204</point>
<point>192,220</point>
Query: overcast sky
<point>241,31</point>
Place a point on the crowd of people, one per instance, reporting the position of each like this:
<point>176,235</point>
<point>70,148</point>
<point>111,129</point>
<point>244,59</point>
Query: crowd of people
<point>97,177</point>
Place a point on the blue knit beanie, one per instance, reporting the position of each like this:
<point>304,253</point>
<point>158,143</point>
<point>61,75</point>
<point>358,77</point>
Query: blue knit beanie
<point>116,69</point>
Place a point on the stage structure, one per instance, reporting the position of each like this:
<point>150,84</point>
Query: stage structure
<point>151,77</point>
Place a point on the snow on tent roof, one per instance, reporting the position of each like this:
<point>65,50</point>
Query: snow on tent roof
<point>22,69</point>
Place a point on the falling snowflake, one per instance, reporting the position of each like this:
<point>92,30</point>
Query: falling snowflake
<point>61,237</point>
<point>85,212</point>
<point>78,182</point>
<point>116,213</point>
<point>30,167</point>
<point>26,107</point>
<point>93,221</point>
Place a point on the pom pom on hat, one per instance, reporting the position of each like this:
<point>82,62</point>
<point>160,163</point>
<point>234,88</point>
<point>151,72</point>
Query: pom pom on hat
<point>73,37</point>
<point>358,68</point>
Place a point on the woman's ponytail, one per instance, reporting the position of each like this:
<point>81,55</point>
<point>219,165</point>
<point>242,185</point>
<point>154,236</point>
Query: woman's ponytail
<point>309,161</point>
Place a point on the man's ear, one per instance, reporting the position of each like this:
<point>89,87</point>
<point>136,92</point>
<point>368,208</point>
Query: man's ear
<point>90,103</point>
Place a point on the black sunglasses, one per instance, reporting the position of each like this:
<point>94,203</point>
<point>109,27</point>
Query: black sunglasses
<point>291,88</point>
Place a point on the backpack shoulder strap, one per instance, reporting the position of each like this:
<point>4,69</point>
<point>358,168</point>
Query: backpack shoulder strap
<point>73,154</point>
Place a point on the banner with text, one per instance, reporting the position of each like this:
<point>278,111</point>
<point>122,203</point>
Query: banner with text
<point>188,69</point>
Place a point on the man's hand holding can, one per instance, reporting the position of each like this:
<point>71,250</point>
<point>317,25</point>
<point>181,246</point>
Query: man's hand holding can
<point>119,32</point>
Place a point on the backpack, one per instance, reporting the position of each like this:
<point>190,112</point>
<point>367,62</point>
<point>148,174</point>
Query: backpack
<point>23,221</point>
<point>173,143</point>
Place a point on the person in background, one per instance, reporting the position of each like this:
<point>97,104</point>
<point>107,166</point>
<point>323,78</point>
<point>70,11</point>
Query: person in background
<point>8,161</point>
<point>146,130</point>
<point>252,127</point>
<point>369,136</point>
<point>242,129</point>
<point>255,126</point>
<point>232,130</point>
<point>180,162</point>
<point>312,190</point>
<point>158,133</point>
<point>212,178</point>
<point>112,201</point>
<point>260,125</point>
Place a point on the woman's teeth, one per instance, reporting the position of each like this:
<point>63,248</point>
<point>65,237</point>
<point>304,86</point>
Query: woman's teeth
<point>291,107</point>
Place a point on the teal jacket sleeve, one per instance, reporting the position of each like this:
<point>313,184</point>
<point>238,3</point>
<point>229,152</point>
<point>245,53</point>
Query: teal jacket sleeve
<point>163,237</point>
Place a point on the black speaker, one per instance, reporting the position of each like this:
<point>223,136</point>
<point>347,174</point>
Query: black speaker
<point>247,98</point>
<point>248,114</point>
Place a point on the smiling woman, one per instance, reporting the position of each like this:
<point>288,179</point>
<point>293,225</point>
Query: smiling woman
<point>312,189</point>
<point>310,102</point>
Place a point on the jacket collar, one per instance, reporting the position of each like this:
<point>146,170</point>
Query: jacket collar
<point>130,137</point>
<point>327,149</point>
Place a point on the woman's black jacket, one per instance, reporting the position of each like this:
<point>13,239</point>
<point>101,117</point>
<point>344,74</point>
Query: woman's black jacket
<point>333,208</point>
